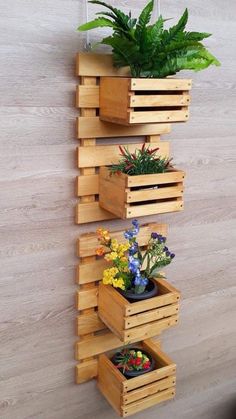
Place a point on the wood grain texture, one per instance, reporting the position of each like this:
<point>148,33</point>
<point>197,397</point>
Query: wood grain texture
<point>37,238</point>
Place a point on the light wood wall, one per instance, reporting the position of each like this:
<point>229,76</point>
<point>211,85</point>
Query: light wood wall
<point>37,239</point>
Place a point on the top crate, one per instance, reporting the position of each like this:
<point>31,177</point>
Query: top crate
<point>127,101</point>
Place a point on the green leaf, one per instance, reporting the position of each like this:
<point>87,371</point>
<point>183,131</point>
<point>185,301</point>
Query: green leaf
<point>100,22</point>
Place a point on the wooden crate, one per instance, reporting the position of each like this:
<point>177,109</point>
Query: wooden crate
<point>129,396</point>
<point>142,319</point>
<point>135,196</point>
<point>127,101</point>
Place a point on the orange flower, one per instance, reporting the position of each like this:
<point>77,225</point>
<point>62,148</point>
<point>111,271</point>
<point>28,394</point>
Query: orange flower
<point>100,251</point>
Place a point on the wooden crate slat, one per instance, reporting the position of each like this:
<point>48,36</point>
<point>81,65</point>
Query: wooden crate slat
<point>86,371</point>
<point>87,96</point>
<point>88,242</point>
<point>148,402</point>
<point>103,155</point>
<point>160,84</point>
<point>97,65</point>
<point>158,100</point>
<point>148,390</point>
<point>152,315</point>
<point>91,212</point>
<point>141,117</point>
<point>92,127</point>
<point>173,176</point>
<point>147,195</point>
<point>157,208</point>
<point>89,323</point>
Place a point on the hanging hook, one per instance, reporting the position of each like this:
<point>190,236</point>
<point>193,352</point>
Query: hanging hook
<point>87,44</point>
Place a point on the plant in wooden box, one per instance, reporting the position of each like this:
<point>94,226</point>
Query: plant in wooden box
<point>150,51</point>
<point>129,395</point>
<point>142,183</point>
<point>134,301</point>
<point>133,362</point>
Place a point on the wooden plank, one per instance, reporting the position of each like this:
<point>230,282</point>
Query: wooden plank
<point>87,298</point>
<point>152,194</point>
<point>87,96</point>
<point>161,357</point>
<point>88,323</point>
<point>157,208</point>
<point>148,390</point>
<point>146,117</point>
<point>89,64</point>
<point>96,345</point>
<point>91,212</point>
<point>91,271</point>
<point>172,176</point>
<point>86,371</point>
<point>157,374</point>
<point>92,127</point>
<point>87,185</point>
<point>150,315</point>
<point>148,330</point>
<point>160,84</point>
<point>108,154</point>
<point>159,100</point>
<point>88,243</point>
<point>140,405</point>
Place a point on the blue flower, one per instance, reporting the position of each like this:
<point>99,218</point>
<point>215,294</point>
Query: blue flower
<point>137,280</point>
<point>165,249</point>
<point>135,223</point>
<point>144,282</point>
<point>128,234</point>
<point>172,255</point>
<point>168,253</point>
<point>133,249</point>
<point>154,235</point>
<point>134,264</point>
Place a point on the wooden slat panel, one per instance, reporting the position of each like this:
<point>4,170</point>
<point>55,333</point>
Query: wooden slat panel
<point>87,185</point>
<point>148,390</point>
<point>91,212</point>
<point>173,176</point>
<point>96,345</point>
<point>87,298</point>
<point>148,402</point>
<point>88,64</point>
<point>160,84</point>
<point>159,100</point>
<point>148,195</point>
<point>146,117</point>
<point>108,154</point>
<point>89,323</point>
<point>90,127</point>
<point>87,96</point>
<point>87,243</point>
<point>91,271</point>
<point>86,371</point>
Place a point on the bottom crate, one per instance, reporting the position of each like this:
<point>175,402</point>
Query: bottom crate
<point>129,396</point>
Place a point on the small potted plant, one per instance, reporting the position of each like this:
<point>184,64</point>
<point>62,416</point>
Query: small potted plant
<point>141,183</point>
<point>152,54</point>
<point>132,284</point>
<point>133,362</point>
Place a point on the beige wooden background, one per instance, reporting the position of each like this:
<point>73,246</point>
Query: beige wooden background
<point>37,170</point>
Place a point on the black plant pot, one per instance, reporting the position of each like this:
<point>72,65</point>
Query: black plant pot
<point>132,374</point>
<point>151,291</point>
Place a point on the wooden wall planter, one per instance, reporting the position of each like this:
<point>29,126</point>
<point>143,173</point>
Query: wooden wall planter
<point>133,395</point>
<point>142,319</point>
<point>136,196</point>
<point>128,101</point>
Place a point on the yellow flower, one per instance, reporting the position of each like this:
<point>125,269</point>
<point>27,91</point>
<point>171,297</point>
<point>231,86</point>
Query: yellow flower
<point>139,354</point>
<point>114,245</point>
<point>118,283</point>
<point>100,251</point>
<point>111,256</point>
<point>109,275</point>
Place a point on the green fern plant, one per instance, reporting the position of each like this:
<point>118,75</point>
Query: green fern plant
<point>150,50</point>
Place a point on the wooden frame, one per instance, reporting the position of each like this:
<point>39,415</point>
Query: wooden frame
<point>129,396</point>
<point>142,319</point>
<point>129,101</point>
<point>135,196</point>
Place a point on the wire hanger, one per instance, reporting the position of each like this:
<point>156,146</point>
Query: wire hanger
<point>87,44</point>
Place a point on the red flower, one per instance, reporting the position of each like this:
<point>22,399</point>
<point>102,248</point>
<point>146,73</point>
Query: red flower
<point>122,150</point>
<point>153,150</point>
<point>143,146</point>
<point>138,361</point>
<point>146,365</point>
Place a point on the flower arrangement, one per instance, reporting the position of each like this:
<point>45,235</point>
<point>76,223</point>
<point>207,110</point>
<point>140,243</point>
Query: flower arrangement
<point>142,162</point>
<point>132,269</point>
<point>129,360</point>
<point>151,50</point>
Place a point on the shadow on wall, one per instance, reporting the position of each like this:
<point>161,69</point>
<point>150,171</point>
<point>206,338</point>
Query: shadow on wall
<point>230,410</point>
